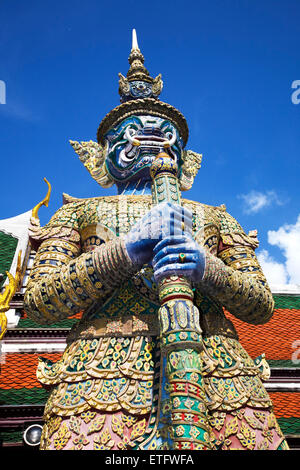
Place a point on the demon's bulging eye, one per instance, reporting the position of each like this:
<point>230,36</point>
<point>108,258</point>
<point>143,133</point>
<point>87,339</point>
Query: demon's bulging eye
<point>129,135</point>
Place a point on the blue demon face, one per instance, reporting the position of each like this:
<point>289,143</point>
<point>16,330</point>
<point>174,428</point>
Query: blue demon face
<point>134,144</point>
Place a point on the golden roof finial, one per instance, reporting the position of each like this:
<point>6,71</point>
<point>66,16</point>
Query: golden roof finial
<point>8,293</point>
<point>44,202</point>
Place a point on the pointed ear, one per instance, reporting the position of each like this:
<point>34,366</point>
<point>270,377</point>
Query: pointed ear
<point>124,86</point>
<point>88,150</point>
<point>157,85</point>
<point>189,169</point>
<point>92,155</point>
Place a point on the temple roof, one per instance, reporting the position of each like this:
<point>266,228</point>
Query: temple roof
<point>8,245</point>
<point>275,338</point>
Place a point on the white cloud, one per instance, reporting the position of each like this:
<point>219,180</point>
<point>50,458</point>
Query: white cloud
<point>287,238</point>
<point>255,201</point>
<point>275,272</point>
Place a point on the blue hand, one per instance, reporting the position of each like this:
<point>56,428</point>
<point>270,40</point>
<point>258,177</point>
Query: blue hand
<point>163,220</point>
<point>168,262</point>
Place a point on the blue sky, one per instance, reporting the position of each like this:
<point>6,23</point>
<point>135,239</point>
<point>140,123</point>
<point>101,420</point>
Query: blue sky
<point>227,65</point>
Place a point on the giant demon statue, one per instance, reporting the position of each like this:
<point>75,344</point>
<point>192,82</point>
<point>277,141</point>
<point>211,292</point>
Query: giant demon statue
<point>153,362</point>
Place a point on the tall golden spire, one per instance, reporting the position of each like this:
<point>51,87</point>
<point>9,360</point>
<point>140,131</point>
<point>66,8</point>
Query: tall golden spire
<point>137,70</point>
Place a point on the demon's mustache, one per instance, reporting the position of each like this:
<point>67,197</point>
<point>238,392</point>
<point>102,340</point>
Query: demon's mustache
<point>149,140</point>
<point>148,143</point>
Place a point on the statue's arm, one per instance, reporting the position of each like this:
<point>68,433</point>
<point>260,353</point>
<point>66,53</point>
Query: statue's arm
<point>64,281</point>
<point>235,278</point>
<point>79,281</point>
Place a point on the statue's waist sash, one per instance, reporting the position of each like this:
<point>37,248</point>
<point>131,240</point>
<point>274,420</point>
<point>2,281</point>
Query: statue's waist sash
<point>127,325</point>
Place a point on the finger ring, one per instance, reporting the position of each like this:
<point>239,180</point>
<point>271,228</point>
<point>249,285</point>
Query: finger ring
<point>182,257</point>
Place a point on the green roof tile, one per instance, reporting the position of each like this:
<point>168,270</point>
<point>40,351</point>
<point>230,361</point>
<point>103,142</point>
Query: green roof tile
<point>289,425</point>
<point>8,245</point>
<point>23,396</point>
<point>287,301</point>
<point>11,435</point>
<point>283,363</point>
<point>27,323</point>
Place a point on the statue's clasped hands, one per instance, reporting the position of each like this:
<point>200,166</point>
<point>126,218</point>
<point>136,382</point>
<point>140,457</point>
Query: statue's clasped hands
<point>164,238</point>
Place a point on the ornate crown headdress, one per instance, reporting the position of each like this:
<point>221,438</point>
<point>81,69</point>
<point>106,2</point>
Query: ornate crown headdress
<point>139,96</point>
<point>138,83</point>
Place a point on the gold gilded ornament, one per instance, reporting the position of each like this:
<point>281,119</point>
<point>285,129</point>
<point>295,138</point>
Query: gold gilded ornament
<point>92,155</point>
<point>44,202</point>
<point>191,165</point>
<point>8,294</point>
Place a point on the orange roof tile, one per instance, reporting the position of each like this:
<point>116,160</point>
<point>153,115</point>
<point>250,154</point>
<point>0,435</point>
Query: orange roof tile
<point>19,370</point>
<point>76,315</point>
<point>286,404</point>
<point>274,338</point>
